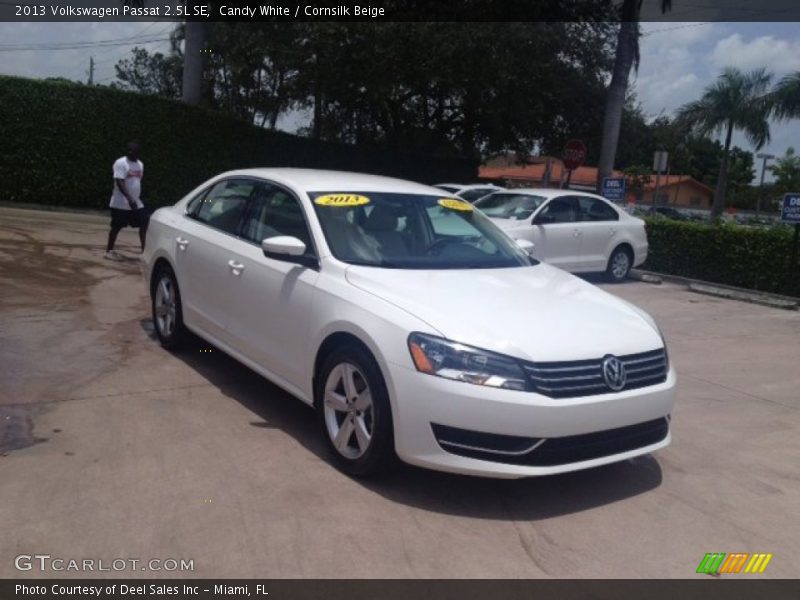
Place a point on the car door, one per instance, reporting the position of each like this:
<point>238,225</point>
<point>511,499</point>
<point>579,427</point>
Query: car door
<point>272,300</point>
<point>556,236</point>
<point>209,229</point>
<point>599,222</point>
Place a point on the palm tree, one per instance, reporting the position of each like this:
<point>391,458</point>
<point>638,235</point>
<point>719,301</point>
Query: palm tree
<point>786,97</point>
<point>625,57</point>
<point>735,101</point>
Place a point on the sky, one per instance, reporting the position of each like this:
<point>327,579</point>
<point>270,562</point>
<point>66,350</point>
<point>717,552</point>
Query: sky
<point>677,59</point>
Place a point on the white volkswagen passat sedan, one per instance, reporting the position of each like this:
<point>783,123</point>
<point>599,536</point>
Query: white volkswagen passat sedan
<point>413,325</point>
<point>576,231</point>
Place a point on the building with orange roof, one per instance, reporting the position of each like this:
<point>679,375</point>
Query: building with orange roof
<point>678,190</point>
<point>548,171</point>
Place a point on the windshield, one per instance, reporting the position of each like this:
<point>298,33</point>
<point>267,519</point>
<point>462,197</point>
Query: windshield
<point>409,231</point>
<point>508,205</point>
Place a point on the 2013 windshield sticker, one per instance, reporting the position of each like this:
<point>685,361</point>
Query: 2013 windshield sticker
<point>341,200</point>
<point>454,204</point>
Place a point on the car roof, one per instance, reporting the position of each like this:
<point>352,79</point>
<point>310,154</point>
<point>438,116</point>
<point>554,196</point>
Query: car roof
<point>319,180</point>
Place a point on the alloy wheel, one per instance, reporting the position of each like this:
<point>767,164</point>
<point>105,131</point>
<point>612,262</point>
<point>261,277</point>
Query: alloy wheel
<point>348,410</point>
<point>165,307</point>
<point>620,265</point>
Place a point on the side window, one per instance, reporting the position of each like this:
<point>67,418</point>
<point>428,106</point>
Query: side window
<point>194,204</point>
<point>224,205</point>
<point>593,209</point>
<point>273,212</point>
<point>558,210</point>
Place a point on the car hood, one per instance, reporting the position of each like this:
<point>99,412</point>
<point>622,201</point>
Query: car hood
<point>533,313</point>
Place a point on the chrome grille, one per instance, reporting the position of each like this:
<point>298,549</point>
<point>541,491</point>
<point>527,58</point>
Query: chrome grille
<point>585,377</point>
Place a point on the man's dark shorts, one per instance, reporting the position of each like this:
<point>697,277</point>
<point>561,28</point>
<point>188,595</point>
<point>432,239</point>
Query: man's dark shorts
<point>129,218</point>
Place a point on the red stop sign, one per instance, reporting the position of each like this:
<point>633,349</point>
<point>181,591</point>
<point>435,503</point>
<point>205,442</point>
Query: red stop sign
<point>574,154</point>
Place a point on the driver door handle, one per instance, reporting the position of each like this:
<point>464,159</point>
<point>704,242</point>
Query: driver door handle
<point>236,267</point>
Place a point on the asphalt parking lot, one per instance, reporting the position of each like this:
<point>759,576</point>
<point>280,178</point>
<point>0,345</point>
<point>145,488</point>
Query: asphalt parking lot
<point>111,447</point>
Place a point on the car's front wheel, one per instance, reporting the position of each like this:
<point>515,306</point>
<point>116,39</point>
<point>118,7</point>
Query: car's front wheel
<point>354,412</point>
<point>166,308</point>
<point>619,265</point>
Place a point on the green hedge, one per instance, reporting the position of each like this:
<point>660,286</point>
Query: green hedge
<point>59,141</point>
<point>750,257</point>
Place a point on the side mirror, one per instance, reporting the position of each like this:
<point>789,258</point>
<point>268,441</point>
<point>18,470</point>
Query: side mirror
<point>287,248</point>
<point>526,245</point>
<point>543,219</point>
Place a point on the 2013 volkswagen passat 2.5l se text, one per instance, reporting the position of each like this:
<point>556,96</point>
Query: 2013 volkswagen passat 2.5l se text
<point>414,325</point>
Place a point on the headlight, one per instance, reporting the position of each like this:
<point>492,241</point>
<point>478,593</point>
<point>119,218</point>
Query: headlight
<point>451,360</point>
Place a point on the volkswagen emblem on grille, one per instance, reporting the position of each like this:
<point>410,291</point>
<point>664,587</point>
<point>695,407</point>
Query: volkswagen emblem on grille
<point>614,373</point>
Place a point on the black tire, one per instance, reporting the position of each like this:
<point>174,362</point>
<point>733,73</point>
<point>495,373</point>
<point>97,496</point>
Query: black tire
<point>379,456</point>
<point>173,335</point>
<point>619,264</point>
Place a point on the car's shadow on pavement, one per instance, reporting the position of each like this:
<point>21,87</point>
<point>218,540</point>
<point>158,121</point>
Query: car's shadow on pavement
<point>521,499</point>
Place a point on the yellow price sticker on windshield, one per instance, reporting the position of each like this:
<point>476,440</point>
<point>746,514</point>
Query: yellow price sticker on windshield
<point>454,204</point>
<point>341,200</point>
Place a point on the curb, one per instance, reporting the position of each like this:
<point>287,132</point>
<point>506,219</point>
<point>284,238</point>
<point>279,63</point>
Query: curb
<point>753,298</point>
<point>645,277</point>
<point>720,291</point>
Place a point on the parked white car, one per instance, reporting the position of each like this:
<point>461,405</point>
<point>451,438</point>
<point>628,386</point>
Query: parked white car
<point>349,291</point>
<point>576,231</point>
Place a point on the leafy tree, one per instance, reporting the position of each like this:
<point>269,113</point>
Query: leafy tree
<point>255,76</point>
<point>689,154</point>
<point>465,89</point>
<point>736,101</point>
<point>156,74</point>
<point>787,172</point>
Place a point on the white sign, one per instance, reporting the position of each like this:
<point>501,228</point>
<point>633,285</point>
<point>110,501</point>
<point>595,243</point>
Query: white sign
<point>660,161</point>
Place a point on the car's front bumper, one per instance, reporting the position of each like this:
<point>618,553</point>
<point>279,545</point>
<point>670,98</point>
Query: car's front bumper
<point>422,402</point>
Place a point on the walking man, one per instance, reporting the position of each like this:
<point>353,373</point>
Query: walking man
<point>127,209</point>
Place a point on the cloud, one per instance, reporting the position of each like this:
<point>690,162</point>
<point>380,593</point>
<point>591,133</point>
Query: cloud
<point>781,56</point>
<point>73,64</point>
<point>668,74</point>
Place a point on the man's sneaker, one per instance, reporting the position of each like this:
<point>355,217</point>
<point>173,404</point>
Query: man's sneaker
<point>112,255</point>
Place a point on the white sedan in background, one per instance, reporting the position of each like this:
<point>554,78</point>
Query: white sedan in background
<point>348,291</point>
<point>576,231</point>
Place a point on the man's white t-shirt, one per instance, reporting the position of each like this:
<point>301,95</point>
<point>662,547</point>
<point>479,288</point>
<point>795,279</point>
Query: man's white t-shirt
<point>131,171</point>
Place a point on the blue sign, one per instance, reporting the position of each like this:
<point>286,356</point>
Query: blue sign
<point>613,189</point>
<point>791,208</point>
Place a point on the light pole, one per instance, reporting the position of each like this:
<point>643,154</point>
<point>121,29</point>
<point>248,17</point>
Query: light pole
<point>764,157</point>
